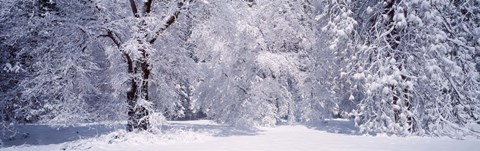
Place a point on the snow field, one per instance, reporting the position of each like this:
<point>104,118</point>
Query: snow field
<point>204,135</point>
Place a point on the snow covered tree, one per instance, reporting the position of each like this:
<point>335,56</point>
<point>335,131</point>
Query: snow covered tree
<point>255,54</point>
<point>61,46</point>
<point>388,103</point>
<point>49,41</point>
<point>406,58</point>
<point>376,63</point>
<point>135,32</point>
<point>398,66</point>
<point>11,65</point>
<point>187,106</point>
<point>449,81</point>
<point>336,48</point>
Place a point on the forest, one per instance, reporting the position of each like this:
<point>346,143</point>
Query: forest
<point>395,67</point>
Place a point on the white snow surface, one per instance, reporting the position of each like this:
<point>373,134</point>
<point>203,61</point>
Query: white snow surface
<point>204,135</point>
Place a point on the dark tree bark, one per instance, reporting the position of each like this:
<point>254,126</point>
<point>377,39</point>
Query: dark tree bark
<point>139,72</point>
<point>250,3</point>
<point>137,114</point>
<point>148,6</point>
<point>47,6</point>
<point>133,5</point>
<point>139,69</point>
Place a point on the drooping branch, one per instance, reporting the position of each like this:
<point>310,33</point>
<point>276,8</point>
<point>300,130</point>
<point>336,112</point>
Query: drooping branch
<point>170,20</point>
<point>392,36</point>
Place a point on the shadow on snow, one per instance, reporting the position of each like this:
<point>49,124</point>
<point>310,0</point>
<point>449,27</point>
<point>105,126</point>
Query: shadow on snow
<point>215,130</point>
<point>35,134</point>
<point>44,135</point>
<point>337,126</point>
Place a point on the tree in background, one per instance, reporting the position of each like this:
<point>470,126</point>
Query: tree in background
<point>49,42</point>
<point>255,61</point>
<point>335,55</point>
<point>398,66</point>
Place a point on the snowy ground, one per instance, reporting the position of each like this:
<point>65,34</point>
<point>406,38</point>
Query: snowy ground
<point>333,135</point>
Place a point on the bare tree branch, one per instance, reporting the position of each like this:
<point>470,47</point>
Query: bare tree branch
<point>170,20</point>
<point>134,8</point>
<point>112,37</point>
<point>148,6</point>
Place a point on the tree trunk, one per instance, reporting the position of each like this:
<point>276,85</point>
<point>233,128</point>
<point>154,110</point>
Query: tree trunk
<point>139,70</point>
<point>137,112</point>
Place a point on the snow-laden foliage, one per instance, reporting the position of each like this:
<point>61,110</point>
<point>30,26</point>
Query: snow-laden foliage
<point>449,84</point>
<point>412,61</point>
<point>255,58</point>
<point>52,46</point>
<point>404,67</point>
<point>146,43</point>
